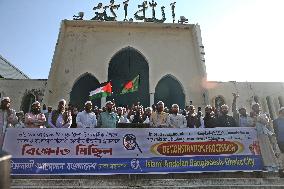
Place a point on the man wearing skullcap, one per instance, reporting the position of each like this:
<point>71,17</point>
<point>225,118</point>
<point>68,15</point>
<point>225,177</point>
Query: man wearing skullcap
<point>35,119</point>
<point>8,117</point>
<point>209,119</point>
<point>86,118</point>
<point>159,118</point>
<point>60,118</point>
<point>21,120</point>
<point>225,120</point>
<point>147,114</point>
<point>121,117</point>
<point>176,120</point>
<point>269,148</point>
<point>108,119</point>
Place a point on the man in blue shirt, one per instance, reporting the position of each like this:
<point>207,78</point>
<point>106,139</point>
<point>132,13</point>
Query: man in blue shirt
<point>108,119</point>
<point>279,129</point>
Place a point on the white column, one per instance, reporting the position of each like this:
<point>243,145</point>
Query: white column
<point>264,105</point>
<point>276,104</point>
<point>103,101</point>
<point>152,99</point>
<point>271,106</point>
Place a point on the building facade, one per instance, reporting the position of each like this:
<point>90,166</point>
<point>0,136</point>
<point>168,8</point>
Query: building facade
<point>168,57</point>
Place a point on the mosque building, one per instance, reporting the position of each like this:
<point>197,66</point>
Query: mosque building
<point>168,57</point>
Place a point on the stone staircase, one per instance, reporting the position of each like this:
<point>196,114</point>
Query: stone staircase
<point>200,181</point>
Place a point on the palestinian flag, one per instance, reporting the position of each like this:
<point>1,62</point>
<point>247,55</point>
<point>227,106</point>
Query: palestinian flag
<point>131,86</point>
<point>103,91</point>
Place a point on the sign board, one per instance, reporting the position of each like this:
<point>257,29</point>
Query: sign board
<point>131,151</point>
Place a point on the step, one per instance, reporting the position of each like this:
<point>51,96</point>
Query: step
<point>100,182</point>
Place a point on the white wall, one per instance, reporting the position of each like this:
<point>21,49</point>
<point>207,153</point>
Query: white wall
<point>17,89</point>
<point>88,46</point>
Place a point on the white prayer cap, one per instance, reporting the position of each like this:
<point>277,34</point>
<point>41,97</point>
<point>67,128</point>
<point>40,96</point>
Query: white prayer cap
<point>5,98</point>
<point>109,102</point>
<point>225,105</point>
<point>160,102</point>
<point>175,105</point>
<point>148,109</point>
<point>20,113</point>
<point>62,100</point>
<point>254,104</point>
<point>36,102</point>
<point>208,106</point>
<point>88,102</point>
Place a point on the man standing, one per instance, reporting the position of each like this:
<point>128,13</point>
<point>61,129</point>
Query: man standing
<point>108,119</point>
<point>209,118</point>
<point>74,113</point>
<point>267,141</point>
<point>49,110</point>
<point>193,120</point>
<point>60,118</point>
<point>21,120</point>
<point>44,110</point>
<point>224,120</point>
<point>97,111</point>
<point>121,117</point>
<point>159,118</point>
<point>8,117</point>
<point>35,119</point>
<point>176,120</point>
<point>279,129</point>
<point>147,114</point>
<point>86,118</point>
<point>240,117</point>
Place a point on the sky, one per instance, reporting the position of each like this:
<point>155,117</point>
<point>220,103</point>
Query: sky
<point>243,39</point>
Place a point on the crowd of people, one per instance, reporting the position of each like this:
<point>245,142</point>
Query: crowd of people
<point>156,116</point>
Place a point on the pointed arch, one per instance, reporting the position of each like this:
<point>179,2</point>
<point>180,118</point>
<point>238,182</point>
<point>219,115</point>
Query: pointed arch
<point>27,101</point>
<point>170,90</point>
<point>124,66</point>
<point>81,89</point>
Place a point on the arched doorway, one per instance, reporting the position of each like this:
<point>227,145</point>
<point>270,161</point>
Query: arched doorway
<point>81,90</point>
<point>27,101</point>
<point>170,91</point>
<point>125,66</point>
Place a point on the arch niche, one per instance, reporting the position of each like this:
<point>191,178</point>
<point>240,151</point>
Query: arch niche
<point>170,91</point>
<point>27,101</point>
<point>124,66</point>
<point>81,90</point>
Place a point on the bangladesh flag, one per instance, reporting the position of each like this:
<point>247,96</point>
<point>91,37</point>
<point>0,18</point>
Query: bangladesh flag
<point>131,86</point>
<point>103,91</point>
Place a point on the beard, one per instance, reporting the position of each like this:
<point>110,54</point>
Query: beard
<point>225,112</point>
<point>175,112</point>
<point>35,111</point>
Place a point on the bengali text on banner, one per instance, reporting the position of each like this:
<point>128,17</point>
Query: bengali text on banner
<point>131,151</point>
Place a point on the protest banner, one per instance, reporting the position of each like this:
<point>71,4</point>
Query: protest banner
<point>131,151</point>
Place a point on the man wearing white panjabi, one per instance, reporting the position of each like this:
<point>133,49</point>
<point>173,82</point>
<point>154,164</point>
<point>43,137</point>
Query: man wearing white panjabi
<point>121,117</point>
<point>8,117</point>
<point>86,118</point>
<point>175,119</point>
<point>270,151</point>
